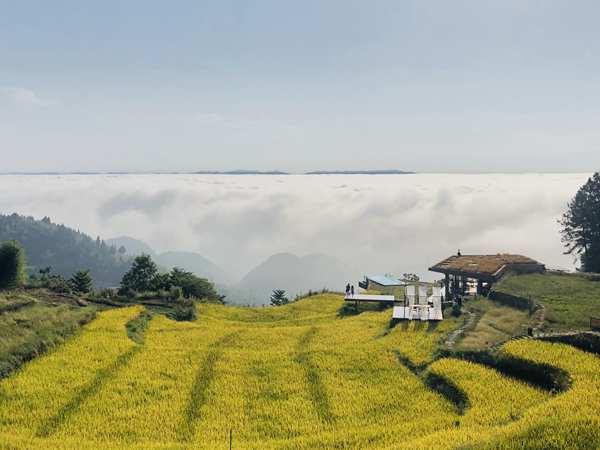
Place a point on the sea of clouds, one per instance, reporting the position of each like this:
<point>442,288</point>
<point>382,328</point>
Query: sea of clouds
<point>375,224</point>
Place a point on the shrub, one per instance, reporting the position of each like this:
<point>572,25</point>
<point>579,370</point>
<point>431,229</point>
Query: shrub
<point>456,310</point>
<point>184,312</point>
<point>12,265</point>
<point>176,293</point>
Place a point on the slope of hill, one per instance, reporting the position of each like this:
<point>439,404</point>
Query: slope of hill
<point>294,274</point>
<point>34,321</point>
<point>190,261</point>
<point>64,249</point>
<point>193,262</point>
<point>569,299</point>
<point>133,247</point>
<point>296,377</point>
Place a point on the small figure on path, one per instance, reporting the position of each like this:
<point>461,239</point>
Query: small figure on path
<point>352,290</point>
<point>347,289</point>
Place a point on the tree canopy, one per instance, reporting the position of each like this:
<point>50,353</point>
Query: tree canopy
<point>66,250</point>
<point>192,285</point>
<point>81,282</point>
<point>144,276</point>
<point>141,276</point>
<point>581,225</point>
<point>279,298</point>
<point>12,265</point>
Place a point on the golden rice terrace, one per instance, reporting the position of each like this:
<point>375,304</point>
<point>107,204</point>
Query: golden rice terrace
<point>301,376</point>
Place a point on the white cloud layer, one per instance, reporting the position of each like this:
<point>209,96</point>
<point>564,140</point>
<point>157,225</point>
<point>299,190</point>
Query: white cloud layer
<point>373,223</point>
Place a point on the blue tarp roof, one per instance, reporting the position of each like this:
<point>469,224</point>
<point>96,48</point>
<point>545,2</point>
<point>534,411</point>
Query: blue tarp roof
<point>384,281</point>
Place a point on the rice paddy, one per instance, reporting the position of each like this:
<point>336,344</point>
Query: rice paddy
<point>301,376</point>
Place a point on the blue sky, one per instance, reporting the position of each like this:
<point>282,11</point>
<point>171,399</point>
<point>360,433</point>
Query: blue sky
<point>464,86</point>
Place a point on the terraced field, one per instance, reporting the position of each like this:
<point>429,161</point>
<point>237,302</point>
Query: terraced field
<point>299,376</point>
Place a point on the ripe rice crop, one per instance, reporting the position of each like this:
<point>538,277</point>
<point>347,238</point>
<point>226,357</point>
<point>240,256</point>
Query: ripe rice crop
<point>298,376</point>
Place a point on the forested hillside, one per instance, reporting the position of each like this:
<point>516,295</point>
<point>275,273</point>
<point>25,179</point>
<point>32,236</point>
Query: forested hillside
<point>64,249</point>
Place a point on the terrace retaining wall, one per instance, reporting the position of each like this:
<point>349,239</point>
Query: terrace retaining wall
<point>514,301</point>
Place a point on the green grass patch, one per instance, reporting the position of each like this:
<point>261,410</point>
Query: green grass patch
<point>496,324</point>
<point>570,299</point>
<point>33,328</point>
<point>137,327</point>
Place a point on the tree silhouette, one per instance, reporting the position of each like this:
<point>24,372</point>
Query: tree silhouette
<point>581,225</point>
<point>81,282</point>
<point>279,298</point>
<point>141,275</point>
<point>12,265</point>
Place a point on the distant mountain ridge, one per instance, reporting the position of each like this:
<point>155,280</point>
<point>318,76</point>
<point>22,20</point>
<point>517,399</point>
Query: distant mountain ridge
<point>67,251</point>
<point>294,274</point>
<point>360,172</point>
<point>64,249</point>
<point>242,172</point>
<point>133,247</point>
<point>226,172</point>
<point>193,262</point>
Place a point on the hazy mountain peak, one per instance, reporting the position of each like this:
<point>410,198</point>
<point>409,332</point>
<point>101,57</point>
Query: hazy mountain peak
<point>294,274</point>
<point>133,247</point>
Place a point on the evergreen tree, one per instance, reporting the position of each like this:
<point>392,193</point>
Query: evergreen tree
<point>581,225</point>
<point>278,298</point>
<point>12,265</point>
<point>81,282</point>
<point>192,285</point>
<point>66,250</point>
<point>141,275</point>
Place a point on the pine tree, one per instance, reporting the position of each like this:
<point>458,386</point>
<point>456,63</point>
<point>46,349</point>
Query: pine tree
<point>81,282</point>
<point>278,298</point>
<point>141,276</point>
<point>581,225</point>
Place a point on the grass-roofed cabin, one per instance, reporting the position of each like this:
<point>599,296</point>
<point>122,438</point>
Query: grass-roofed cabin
<point>481,270</point>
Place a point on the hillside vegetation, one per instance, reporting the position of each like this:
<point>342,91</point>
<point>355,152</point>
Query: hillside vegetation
<point>29,327</point>
<point>64,249</point>
<point>297,376</point>
<point>190,261</point>
<point>492,323</point>
<point>569,299</point>
<point>291,273</point>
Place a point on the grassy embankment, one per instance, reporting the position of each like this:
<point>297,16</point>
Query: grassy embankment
<point>569,299</point>
<point>30,326</point>
<point>492,324</point>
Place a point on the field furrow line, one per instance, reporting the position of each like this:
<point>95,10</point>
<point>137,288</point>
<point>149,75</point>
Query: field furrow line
<point>202,382</point>
<point>103,376</point>
<point>314,382</point>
